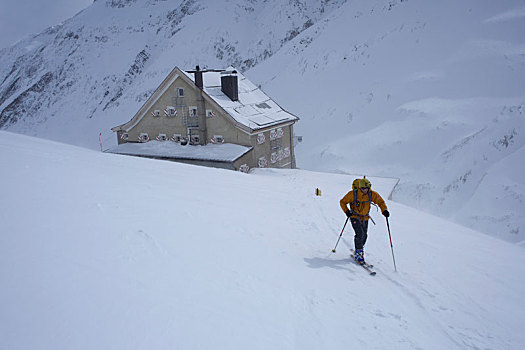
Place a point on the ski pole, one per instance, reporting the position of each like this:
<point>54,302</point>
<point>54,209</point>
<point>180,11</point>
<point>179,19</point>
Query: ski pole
<point>333,250</point>
<point>391,246</point>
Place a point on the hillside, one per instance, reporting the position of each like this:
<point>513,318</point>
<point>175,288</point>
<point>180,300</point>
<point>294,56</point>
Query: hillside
<point>429,92</point>
<point>423,91</point>
<point>100,251</point>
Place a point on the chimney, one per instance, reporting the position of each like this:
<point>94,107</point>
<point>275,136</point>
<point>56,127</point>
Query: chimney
<point>198,77</point>
<point>229,84</point>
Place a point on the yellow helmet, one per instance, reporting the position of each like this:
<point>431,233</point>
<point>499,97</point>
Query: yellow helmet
<point>365,183</point>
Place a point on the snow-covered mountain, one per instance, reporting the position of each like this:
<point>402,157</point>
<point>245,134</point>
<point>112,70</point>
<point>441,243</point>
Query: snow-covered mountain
<point>100,251</point>
<point>428,92</point>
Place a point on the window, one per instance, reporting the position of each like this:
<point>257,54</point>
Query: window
<point>156,113</point>
<point>162,137</point>
<point>176,138</point>
<point>193,111</point>
<point>124,136</point>
<point>143,137</point>
<point>286,152</point>
<point>170,111</point>
<point>261,138</point>
<point>273,134</point>
<point>276,134</point>
<point>217,139</point>
<point>209,113</point>
<point>263,163</point>
<point>180,92</point>
<point>273,158</point>
<point>195,140</point>
<point>244,168</point>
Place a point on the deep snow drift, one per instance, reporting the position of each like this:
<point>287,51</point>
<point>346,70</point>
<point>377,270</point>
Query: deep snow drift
<point>99,251</point>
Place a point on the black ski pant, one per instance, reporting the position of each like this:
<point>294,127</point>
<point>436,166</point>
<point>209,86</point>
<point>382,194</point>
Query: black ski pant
<point>360,229</point>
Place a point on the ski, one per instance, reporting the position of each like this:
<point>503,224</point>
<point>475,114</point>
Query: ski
<point>352,254</point>
<point>368,267</point>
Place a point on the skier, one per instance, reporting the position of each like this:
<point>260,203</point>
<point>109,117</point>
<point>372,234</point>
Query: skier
<point>359,199</point>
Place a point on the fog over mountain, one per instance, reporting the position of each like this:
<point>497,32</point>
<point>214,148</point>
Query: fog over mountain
<point>21,18</point>
<point>427,92</point>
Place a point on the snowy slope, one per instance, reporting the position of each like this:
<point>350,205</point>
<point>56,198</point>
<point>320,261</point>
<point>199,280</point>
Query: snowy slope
<point>114,252</point>
<point>427,92</point>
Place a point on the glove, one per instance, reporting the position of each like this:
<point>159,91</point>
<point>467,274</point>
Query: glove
<point>386,213</point>
<point>348,213</point>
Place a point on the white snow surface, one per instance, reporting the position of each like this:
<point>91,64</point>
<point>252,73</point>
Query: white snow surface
<point>428,92</point>
<point>101,251</point>
<point>168,149</point>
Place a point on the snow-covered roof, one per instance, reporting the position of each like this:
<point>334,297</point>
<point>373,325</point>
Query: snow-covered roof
<point>253,109</point>
<point>226,152</point>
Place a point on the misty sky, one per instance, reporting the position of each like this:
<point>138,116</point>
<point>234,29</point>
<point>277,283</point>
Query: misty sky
<point>19,18</point>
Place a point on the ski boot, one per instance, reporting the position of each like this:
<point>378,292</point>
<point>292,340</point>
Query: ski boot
<point>359,256</point>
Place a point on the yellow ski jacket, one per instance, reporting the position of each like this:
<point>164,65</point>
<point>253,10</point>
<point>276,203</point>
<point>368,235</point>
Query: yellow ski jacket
<point>361,204</point>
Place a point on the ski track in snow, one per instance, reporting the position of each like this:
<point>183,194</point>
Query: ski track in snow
<point>245,259</point>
